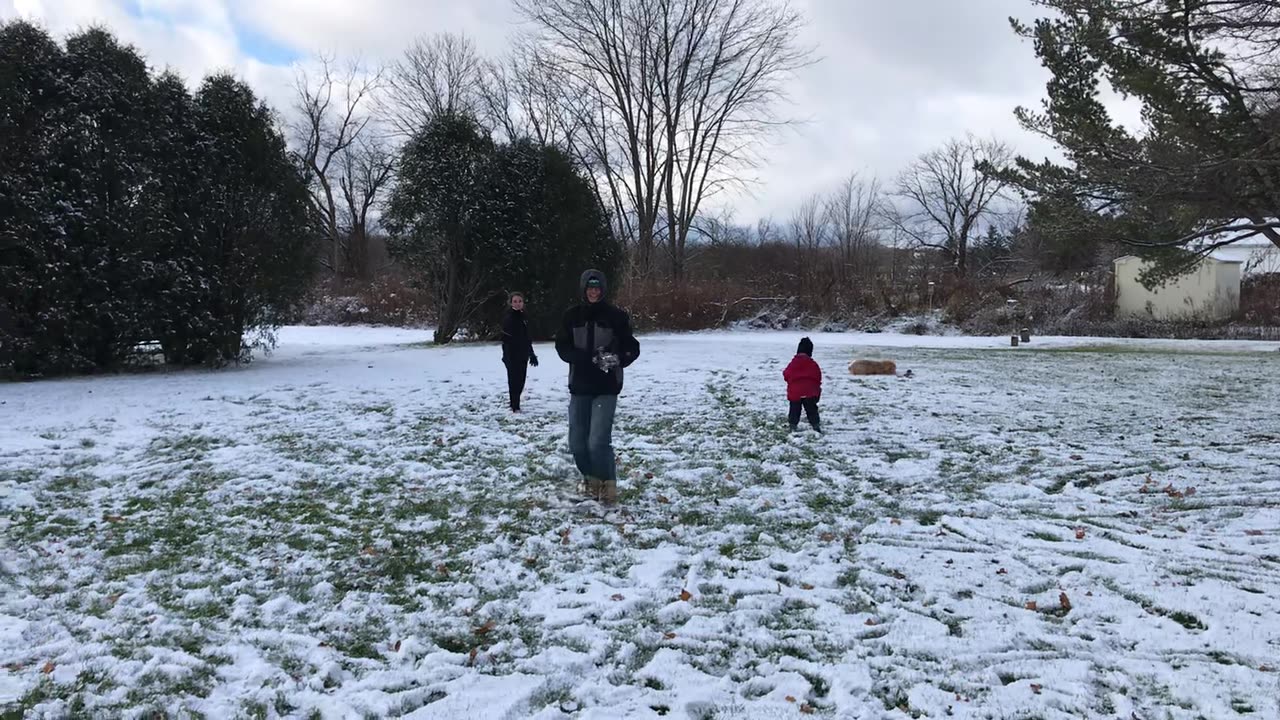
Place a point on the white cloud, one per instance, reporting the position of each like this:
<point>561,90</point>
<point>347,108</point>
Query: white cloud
<point>895,79</point>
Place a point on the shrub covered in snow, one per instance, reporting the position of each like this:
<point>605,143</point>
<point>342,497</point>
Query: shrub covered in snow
<point>137,215</point>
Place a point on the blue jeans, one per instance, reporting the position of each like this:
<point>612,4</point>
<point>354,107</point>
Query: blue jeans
<point>591,434</point>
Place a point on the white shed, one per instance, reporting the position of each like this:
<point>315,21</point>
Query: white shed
<point>1210,292</point>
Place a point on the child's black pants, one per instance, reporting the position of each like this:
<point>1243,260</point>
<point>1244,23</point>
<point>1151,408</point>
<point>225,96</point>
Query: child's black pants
<point>810,406</point>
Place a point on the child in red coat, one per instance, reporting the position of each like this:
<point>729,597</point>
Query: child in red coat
<point>804,385</point>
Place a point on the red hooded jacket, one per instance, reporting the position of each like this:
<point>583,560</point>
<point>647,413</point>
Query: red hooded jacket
<point>804,378</point>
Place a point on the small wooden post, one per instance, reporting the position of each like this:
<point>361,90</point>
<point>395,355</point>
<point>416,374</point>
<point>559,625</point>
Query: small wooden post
<point>1026,335</point>
<point>1013,340</point>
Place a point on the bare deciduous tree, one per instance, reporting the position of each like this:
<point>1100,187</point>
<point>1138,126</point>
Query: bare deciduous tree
<point>523,96</point>
<point>854,214</point>
<point>332,110</point>
<point>668,100</point>
<point>810,233</point>
<point>367,168</point>
<point>943,201</point>
<point>439,74</point>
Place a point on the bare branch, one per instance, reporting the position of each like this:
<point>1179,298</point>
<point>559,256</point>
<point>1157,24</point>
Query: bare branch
<point>667,99</point>
<point>944,201</point>
<point>438,74</point>
<point>332,108</point>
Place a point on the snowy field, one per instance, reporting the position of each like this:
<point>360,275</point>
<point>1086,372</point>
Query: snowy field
<point>356,527</point>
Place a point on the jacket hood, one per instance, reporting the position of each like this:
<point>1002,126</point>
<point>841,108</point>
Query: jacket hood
<point>592,276</point>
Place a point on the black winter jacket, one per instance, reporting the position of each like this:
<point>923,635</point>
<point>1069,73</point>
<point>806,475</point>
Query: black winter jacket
<point>586,329</point>
<point>517,346</point>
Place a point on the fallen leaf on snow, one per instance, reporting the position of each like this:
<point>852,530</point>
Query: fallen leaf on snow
<point>396,648</point>
<point>870,621</point>
<point>790,699</point>
<point>48,667</point>
<point>685,595</point>
<point>806,586</point>
<point>669,635</point>
<point>368,550</point>
<point>486,628</point>
<point>1035,688</point>
<point>1064,601</point>
<point>827,537</point>
<point>1254,533</point>
<point>663,499</point>
<point>648,476</point>
<point>1031,604</point>
<point>471,659</point>
<point>1079,533</point>
<point>896,521</point>
<point>617,596</point>
<point>1077,458</point>
<point>564,536</point>
<point>806,708</point>
<point>1002,571</point>
<point>113,518</point>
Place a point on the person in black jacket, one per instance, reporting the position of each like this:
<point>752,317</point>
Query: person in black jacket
<point>595,338</point>
<point>517,349</point>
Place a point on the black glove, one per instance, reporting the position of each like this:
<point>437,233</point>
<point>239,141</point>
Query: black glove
<point>533,360</point>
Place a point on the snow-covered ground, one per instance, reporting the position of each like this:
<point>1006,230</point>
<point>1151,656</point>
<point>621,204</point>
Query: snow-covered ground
<point>355,526</point>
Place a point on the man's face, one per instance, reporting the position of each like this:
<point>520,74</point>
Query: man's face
<point>593,294</point>
<point>517,303</point>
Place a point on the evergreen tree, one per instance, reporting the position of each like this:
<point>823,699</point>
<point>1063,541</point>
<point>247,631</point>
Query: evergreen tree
<point>549,227</point>
<point>254,251</point>
<point>479,220</point>
<point>437,218</point>
<point>135,214</point>
<point>33,245</point>
<point>1206,165</point>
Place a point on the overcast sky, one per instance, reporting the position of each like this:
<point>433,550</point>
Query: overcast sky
<point>895,78</point>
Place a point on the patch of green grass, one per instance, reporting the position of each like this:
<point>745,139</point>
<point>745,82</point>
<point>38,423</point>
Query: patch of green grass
<point>1130,349</point>
<point>847,577</point>
<point>822,503</point>
<point>896,454</point>
<point>929,517</point>
<point>191,446</point>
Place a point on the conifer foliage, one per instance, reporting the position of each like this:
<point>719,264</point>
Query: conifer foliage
<point>138,218</point>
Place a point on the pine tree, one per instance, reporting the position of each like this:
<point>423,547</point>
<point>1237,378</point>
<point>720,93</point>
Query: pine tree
<point>1205,165</point>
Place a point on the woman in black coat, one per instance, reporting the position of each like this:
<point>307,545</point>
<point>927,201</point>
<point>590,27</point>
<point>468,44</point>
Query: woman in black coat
<point>517,349</point>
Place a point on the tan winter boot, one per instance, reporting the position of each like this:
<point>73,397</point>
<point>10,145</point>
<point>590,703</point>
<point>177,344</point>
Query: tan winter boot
<point>609,492</point>
<point>591,488</point>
